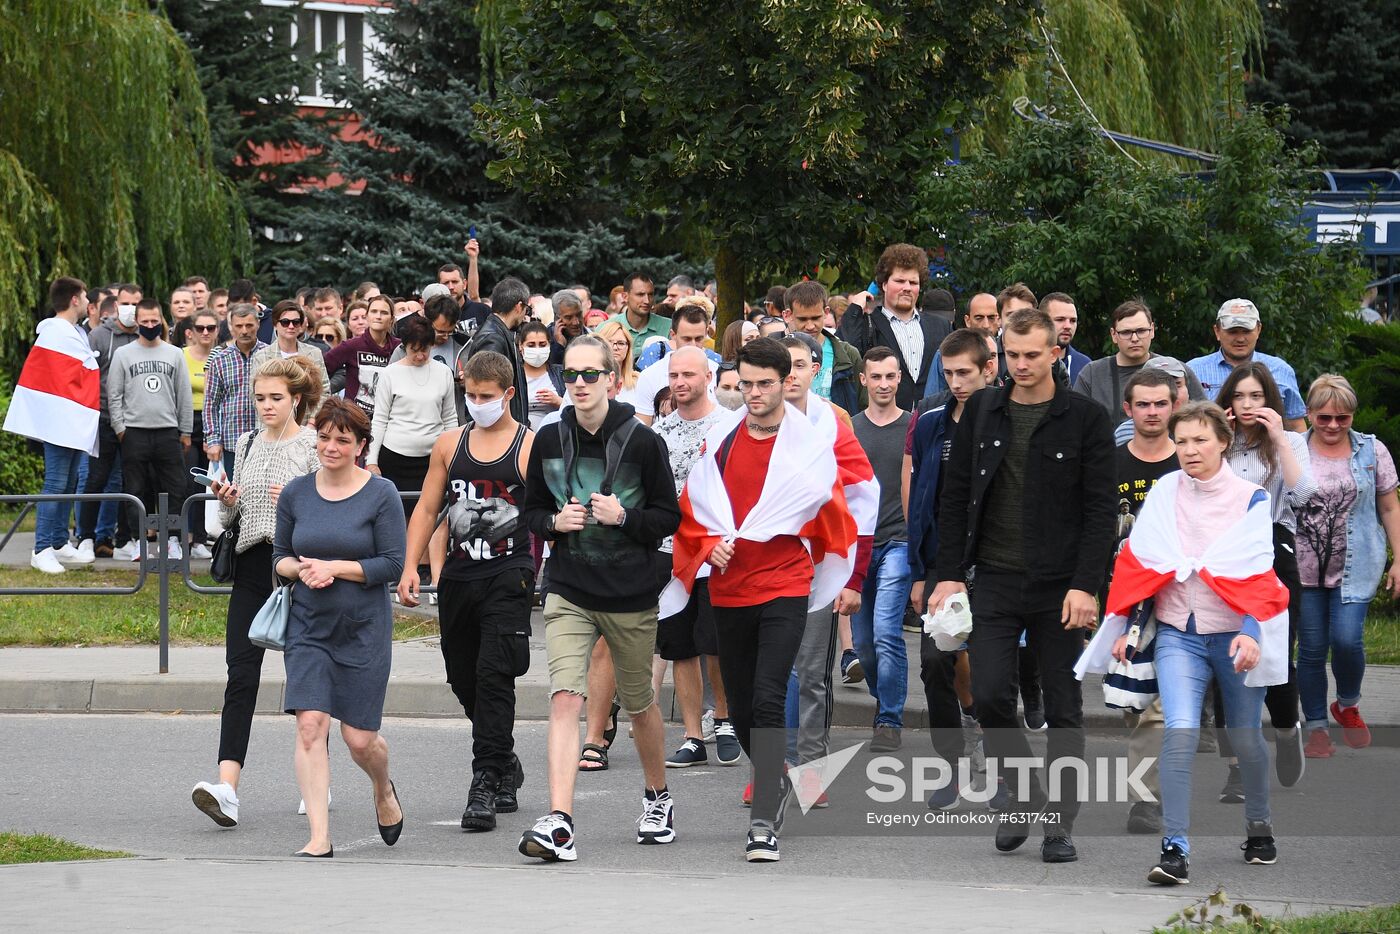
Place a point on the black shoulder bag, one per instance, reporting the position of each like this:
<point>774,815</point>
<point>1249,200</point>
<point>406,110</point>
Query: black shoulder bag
<point>223,557</point>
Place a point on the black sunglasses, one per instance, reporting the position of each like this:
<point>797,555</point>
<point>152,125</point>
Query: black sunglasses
<point>289,322</point>
<point>205,328</point>
<point>771,319</point>
<point>589,376</point>
<point>727,367</point>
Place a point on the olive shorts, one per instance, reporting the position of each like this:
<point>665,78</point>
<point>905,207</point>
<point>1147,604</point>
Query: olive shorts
<point>569,635</point>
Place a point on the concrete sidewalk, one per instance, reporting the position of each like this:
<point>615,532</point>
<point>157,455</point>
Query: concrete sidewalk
<point>125,679</point>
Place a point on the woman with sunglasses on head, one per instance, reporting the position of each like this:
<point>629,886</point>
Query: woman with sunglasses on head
<point>289,323</point>
<point>285,392</point>
<point>200,340</point>
<point>1342,533</point>
<point>1266,453</point>
<point>340,539</point>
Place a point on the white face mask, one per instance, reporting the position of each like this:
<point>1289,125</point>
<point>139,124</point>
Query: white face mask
<point>730,398</point>
<point>535,356</point>
<point>126,315</point>
<point>487,413</point>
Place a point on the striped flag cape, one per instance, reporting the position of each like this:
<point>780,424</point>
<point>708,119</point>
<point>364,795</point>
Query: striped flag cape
<point>1238,566</point>
<point>58,396</point>
<point>829,501</point>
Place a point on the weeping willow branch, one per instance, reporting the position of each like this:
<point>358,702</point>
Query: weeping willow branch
<point>105,163</point>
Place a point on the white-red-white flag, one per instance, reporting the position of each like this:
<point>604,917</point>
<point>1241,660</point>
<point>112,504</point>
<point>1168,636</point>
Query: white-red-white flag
<point>59,394</point>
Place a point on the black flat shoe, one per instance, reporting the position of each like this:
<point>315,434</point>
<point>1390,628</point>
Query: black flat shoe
<point>389,833</point>
<point>326,855</point>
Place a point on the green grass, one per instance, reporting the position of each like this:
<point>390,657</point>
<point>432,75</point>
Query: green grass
<point>195,619</point>
<point>1363,921</point>
<point>41,848</point>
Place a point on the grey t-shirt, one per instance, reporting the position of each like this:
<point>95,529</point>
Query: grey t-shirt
<point>1097,382</point>
<point>1001,543</point>
<point>150,388</point>
<point>884,446</point>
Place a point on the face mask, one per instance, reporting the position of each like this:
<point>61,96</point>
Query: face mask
<point>730,398</point>
<point>487,413</point>
<point>126,314</point>
<point>535,356</point>
<point>149,331</point>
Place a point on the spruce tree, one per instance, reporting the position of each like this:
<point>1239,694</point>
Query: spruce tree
<point>424,186</point>
<point>1331,64</point>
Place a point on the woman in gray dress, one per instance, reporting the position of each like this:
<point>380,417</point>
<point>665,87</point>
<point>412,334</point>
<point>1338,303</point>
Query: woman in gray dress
<point>340,537</point>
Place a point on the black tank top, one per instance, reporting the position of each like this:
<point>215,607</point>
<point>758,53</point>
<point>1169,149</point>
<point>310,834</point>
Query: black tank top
<point>485,535</point>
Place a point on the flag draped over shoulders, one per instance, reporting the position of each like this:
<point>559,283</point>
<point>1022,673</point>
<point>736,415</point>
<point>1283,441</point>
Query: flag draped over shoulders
<point>1238,566</point>
<point>804,494</point>
<point>58,396</point>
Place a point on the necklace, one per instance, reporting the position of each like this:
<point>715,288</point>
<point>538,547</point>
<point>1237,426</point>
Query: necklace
<point>764,429</point>
<point>427,373</point>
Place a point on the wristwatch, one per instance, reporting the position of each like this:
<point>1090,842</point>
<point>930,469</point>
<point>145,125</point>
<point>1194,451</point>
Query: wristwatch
<point>621,517</point>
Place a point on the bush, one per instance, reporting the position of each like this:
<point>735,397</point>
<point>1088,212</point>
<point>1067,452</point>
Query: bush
<point>1371,362</point>
<point>21,470</point>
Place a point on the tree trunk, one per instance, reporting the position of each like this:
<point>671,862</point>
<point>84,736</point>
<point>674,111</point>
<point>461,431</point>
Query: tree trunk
<point>730,277</point>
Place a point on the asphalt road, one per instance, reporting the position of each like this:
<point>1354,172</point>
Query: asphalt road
<point>123,782</point>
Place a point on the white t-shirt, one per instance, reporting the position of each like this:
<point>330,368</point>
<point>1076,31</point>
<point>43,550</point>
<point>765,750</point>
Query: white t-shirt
<point>656,378</point>
<point>538,410</point>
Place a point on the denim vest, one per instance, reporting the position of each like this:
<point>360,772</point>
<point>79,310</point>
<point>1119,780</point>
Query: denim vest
<point>1365,560</point>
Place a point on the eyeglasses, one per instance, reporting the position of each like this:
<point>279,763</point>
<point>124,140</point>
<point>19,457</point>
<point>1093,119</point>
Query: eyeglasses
<point>205,328</point>
<point>1136,334</point>
<point>590,376</point>
<point>764,386</point>
<point>615,344</point>
<point>771,319</point>
<point>1331,419</point>
<point>289,322</point>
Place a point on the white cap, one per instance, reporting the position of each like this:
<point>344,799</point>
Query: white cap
<point>1238,313</point>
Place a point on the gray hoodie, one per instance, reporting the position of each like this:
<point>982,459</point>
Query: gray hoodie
<point>150,388</point>
<point>106,339</point>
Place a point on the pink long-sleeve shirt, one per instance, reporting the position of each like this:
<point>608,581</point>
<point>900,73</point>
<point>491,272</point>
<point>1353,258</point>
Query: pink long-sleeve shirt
<point>1205,510</point>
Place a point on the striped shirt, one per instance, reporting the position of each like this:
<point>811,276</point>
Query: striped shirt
<point>228,405</point>
<point>1213,369</point>
<point>1249,464</point>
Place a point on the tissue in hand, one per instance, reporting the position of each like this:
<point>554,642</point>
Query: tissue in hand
<point>951,625</point>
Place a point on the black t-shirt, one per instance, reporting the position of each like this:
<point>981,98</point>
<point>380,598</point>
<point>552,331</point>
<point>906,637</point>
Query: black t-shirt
<point>1135,478</point>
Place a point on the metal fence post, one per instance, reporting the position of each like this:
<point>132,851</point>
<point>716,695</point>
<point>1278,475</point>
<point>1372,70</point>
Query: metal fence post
<point>163,557</point>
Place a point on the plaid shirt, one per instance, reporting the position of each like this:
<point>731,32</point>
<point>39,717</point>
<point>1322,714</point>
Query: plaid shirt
<point>228,405</point>
<point>1213,369</point>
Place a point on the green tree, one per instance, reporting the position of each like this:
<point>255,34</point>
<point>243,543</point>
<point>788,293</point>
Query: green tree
<point>1341,82</point>
<point>105,163</point>
<point>250,79</point>
<point>425,186</point>
<point>1063,211</point>
<point>781,136</point>
<point>1372,365</point>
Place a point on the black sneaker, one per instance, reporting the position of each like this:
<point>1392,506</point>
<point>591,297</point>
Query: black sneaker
<point>851,670</point>
<point>762,845</point>
<point>1034,718</point>
<point>1288,760</point>
<point>506,801</point>
<point>1171,869</point>
<point>1233,792</point>
<point>1259,848</point>
<point>692,752</point>
<point>480,814</point>
<point>1145,817</point>
<point>945,798</point>
<point>1058,848</point>
<point>727,748</point>
<point>885,739</point>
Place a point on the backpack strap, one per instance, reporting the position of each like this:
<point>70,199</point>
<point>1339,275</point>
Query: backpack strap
<point>567,454</point>
<point>616,445</point>
<point>725,446</point>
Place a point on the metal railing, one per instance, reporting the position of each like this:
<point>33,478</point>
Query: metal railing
<point>158,564</point>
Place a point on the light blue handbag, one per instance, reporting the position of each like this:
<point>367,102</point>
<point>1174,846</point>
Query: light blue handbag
<point>269,627</point>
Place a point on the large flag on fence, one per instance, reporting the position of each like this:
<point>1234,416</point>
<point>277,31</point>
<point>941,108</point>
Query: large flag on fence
<point>1238,566</point>
<point>59,393</point>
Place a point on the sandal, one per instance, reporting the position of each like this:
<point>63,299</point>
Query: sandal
<point>596,756</point>
<point>610,733</point>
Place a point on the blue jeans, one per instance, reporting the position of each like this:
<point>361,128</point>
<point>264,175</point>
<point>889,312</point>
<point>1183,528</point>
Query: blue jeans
<point>60,476</point>
<point>1326,623</point>
<point>877,631</point>
<point>1186,662</point>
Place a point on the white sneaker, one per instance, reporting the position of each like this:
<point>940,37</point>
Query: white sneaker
<point>201,552</point>
<point>46,561</point>
<point>70,555</point>
<point>551,839</point>
<point>136,550</point>
<point>122,552</point>
<point>707,726</point>
<point>174,552</point>
<point>657,823</point>
<point>219,801</point>
<point>301,806</point>
<point>86,555</point>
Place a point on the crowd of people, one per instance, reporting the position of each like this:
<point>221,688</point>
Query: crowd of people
<point>767,508</point>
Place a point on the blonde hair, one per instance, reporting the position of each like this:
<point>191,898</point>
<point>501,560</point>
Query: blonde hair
<point>626,374</point>
<point>301,378</point>
<point>1331,389</point>
<point>700,301</point>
